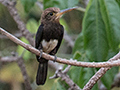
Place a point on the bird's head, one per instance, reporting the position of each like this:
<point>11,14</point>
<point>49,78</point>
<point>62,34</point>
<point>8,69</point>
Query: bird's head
<point>53,14</point>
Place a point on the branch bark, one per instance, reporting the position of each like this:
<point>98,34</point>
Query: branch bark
<point>18,35</point>
<point>60,60</point>
<point>63,75</point>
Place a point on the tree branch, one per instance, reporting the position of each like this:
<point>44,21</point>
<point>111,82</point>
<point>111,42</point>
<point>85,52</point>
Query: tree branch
<point>92,81</point>
<point>63,75</point>
<point>99,74</point>
<point>60,60</point>
<point>18,35</point>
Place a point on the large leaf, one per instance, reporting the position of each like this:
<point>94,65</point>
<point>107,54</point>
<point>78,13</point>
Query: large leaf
<point>110,13</point>
<point>95,39</point>
<point>118,1</point>
<point>79,73</point>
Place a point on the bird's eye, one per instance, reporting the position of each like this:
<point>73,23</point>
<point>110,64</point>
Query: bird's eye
<point>51,13</point>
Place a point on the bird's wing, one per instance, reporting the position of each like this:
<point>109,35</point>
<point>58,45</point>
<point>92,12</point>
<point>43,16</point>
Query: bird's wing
<point>61,37</point>
<point>38,37</point>
<point>54,51</point>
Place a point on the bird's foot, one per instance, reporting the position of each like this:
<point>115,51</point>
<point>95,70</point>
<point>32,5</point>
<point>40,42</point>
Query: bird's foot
<point>55,59</point>
<point>40,53</point>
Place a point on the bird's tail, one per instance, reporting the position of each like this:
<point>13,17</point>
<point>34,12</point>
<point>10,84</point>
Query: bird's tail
<point>42,72</point>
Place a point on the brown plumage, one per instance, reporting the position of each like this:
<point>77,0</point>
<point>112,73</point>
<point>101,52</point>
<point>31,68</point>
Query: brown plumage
<point>46,15</point>
<point>48,39</point>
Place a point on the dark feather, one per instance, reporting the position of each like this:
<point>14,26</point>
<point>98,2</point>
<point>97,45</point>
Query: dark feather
<point>38,37</point>
<point>42,73</point>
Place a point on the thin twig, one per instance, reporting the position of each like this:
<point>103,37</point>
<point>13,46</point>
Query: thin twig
<point>66,69</point>
<point>8,59</point>
<point>63,75</point>
<point>55,65</point>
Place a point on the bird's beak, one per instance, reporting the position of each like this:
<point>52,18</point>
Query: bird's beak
<point>59,14</point>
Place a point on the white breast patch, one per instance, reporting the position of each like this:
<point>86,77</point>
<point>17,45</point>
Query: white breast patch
<point>49,46</point>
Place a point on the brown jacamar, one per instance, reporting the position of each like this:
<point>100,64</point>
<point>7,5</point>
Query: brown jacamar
<point>48,38</point>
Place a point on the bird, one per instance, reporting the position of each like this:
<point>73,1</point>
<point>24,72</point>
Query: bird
<point>48,39</point>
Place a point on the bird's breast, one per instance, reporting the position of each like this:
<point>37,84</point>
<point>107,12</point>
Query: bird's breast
<point>48,46</point>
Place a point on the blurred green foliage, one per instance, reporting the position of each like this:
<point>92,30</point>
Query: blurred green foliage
<point>62,4</point>
<point>28,4</point>
<point>57,85</point>
<point>98,41</point>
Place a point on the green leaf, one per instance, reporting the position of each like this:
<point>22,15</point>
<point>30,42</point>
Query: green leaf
<point>79,45</point>
<point>110,13</point>
<point>118,1</point>
<point>79,73</point>
<point>21,50</point>
<point>108,78</point>
<point>95,39</point>
<point>82,74</point>
<point>77,55</point>
<point>28,4</point>
<point>32,25</point>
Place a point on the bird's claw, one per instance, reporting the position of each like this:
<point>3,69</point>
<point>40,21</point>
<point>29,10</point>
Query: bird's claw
<point>40,54</point>
<point>55,59</point>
